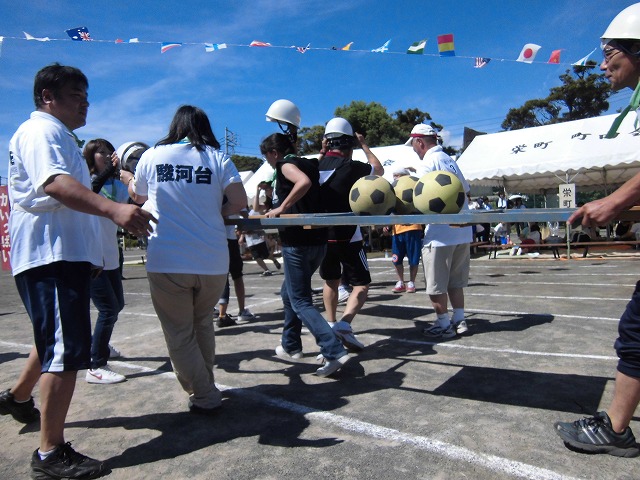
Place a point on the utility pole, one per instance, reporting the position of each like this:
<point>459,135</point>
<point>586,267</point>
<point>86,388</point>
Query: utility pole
<point>230,141</point>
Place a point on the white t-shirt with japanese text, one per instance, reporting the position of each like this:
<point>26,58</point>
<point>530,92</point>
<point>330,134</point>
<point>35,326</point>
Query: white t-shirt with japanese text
<point>185,189</point>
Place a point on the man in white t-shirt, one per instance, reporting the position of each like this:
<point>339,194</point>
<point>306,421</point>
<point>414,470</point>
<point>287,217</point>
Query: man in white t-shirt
<point>445,251</point>
<point>54,250</point>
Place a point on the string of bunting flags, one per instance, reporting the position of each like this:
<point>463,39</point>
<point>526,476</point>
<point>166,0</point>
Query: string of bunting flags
<point>445,44</point>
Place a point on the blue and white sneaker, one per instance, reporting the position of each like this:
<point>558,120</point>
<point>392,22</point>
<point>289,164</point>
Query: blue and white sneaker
<point>437,332</point>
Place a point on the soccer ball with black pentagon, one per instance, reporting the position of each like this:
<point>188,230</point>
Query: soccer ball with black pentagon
<point>403,187</point>
<point>372,195</point>
<point>438,192</point>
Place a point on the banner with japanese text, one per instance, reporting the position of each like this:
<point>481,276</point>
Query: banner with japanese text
<point>4,227</point>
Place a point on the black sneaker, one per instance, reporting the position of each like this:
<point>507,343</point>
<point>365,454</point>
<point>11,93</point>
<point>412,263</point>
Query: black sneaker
<point>65,462</point>
<point>23,412</point>
<point>225,321</point>
<point>595,435</point>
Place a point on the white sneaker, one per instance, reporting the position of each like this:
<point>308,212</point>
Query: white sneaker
<point>344,332</point>
<point>343,294</point>
<point>460,327</point>
<point>114,352</point>
<point>332,366</point>
<point>282,353</point>
<point>104,375</point>
<point>245,315</point>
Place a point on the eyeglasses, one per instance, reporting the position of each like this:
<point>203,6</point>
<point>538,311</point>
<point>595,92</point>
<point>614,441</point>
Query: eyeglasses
<point>609,53</point>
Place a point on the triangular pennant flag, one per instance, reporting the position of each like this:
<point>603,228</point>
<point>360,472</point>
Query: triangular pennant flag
<point>528,53</point>
<point>347,46</point>
<point>256,43</point>
<point>555,57</point>
<point>79,34</point>
<point>303,49</point>
<point>583,61</point>
<point>417,48</point>
<point>31,37</point>
<point>211,47</point>
<point>445,45</point>
<point>168,46</point>
<point>481,62</point>
<point>383,48</point>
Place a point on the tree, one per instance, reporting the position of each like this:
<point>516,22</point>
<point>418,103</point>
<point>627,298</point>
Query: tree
<point>244,163</point>
<point>372,120</point>
<point>532,114</point>
<point>581,95</point>
<point>311,139</point>
<point>584,96</point>
<point>408,118</point>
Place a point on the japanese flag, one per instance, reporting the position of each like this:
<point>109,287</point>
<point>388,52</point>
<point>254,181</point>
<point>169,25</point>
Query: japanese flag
<point>528,53</point>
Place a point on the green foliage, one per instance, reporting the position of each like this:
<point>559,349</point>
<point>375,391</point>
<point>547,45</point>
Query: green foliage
<point>586,197</point>
<point>244,163</point>
<point>581,95</point>
<point>310,139</point>
<point>372,120</point>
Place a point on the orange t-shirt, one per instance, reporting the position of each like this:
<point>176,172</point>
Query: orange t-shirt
<point>406,228</point>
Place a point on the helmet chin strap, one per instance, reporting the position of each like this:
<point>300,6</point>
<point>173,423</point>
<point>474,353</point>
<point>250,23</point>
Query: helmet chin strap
<point>290,130</point>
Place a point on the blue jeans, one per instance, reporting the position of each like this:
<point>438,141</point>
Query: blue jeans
<point>300,263</point>
<point>108,298</point>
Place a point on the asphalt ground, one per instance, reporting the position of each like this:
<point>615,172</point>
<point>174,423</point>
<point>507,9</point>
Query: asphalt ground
<point>481,406</point>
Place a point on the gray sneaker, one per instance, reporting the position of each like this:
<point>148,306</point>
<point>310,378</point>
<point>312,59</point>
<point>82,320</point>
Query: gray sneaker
<point>595,435</point>
<point>345,334</point>
<point>437,332</point>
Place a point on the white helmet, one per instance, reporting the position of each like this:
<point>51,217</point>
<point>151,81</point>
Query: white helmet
<point>337,127</point>
<point>626,25</point>
<point>129,154</point>
<point>284,111</point>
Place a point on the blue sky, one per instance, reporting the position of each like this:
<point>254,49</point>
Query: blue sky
<point>134,89</point>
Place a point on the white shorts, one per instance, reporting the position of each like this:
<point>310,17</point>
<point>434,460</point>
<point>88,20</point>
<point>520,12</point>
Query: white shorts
<point>446,267</point>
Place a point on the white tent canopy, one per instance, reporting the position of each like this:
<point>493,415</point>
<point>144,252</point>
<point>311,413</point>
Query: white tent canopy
<point>392,157</point>
<point>532,160</point>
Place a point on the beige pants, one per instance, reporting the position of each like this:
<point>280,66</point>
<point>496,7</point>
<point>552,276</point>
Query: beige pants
<point>446,267</point>
<point>184,304</point>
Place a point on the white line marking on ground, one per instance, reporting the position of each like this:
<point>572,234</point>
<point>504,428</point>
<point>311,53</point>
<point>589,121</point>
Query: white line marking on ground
<point>543,297</point>
<point>510,282</point>
<point>490,462</point>
<point>554,315</point>
<point>503,350</point>
<point>505,312</point>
